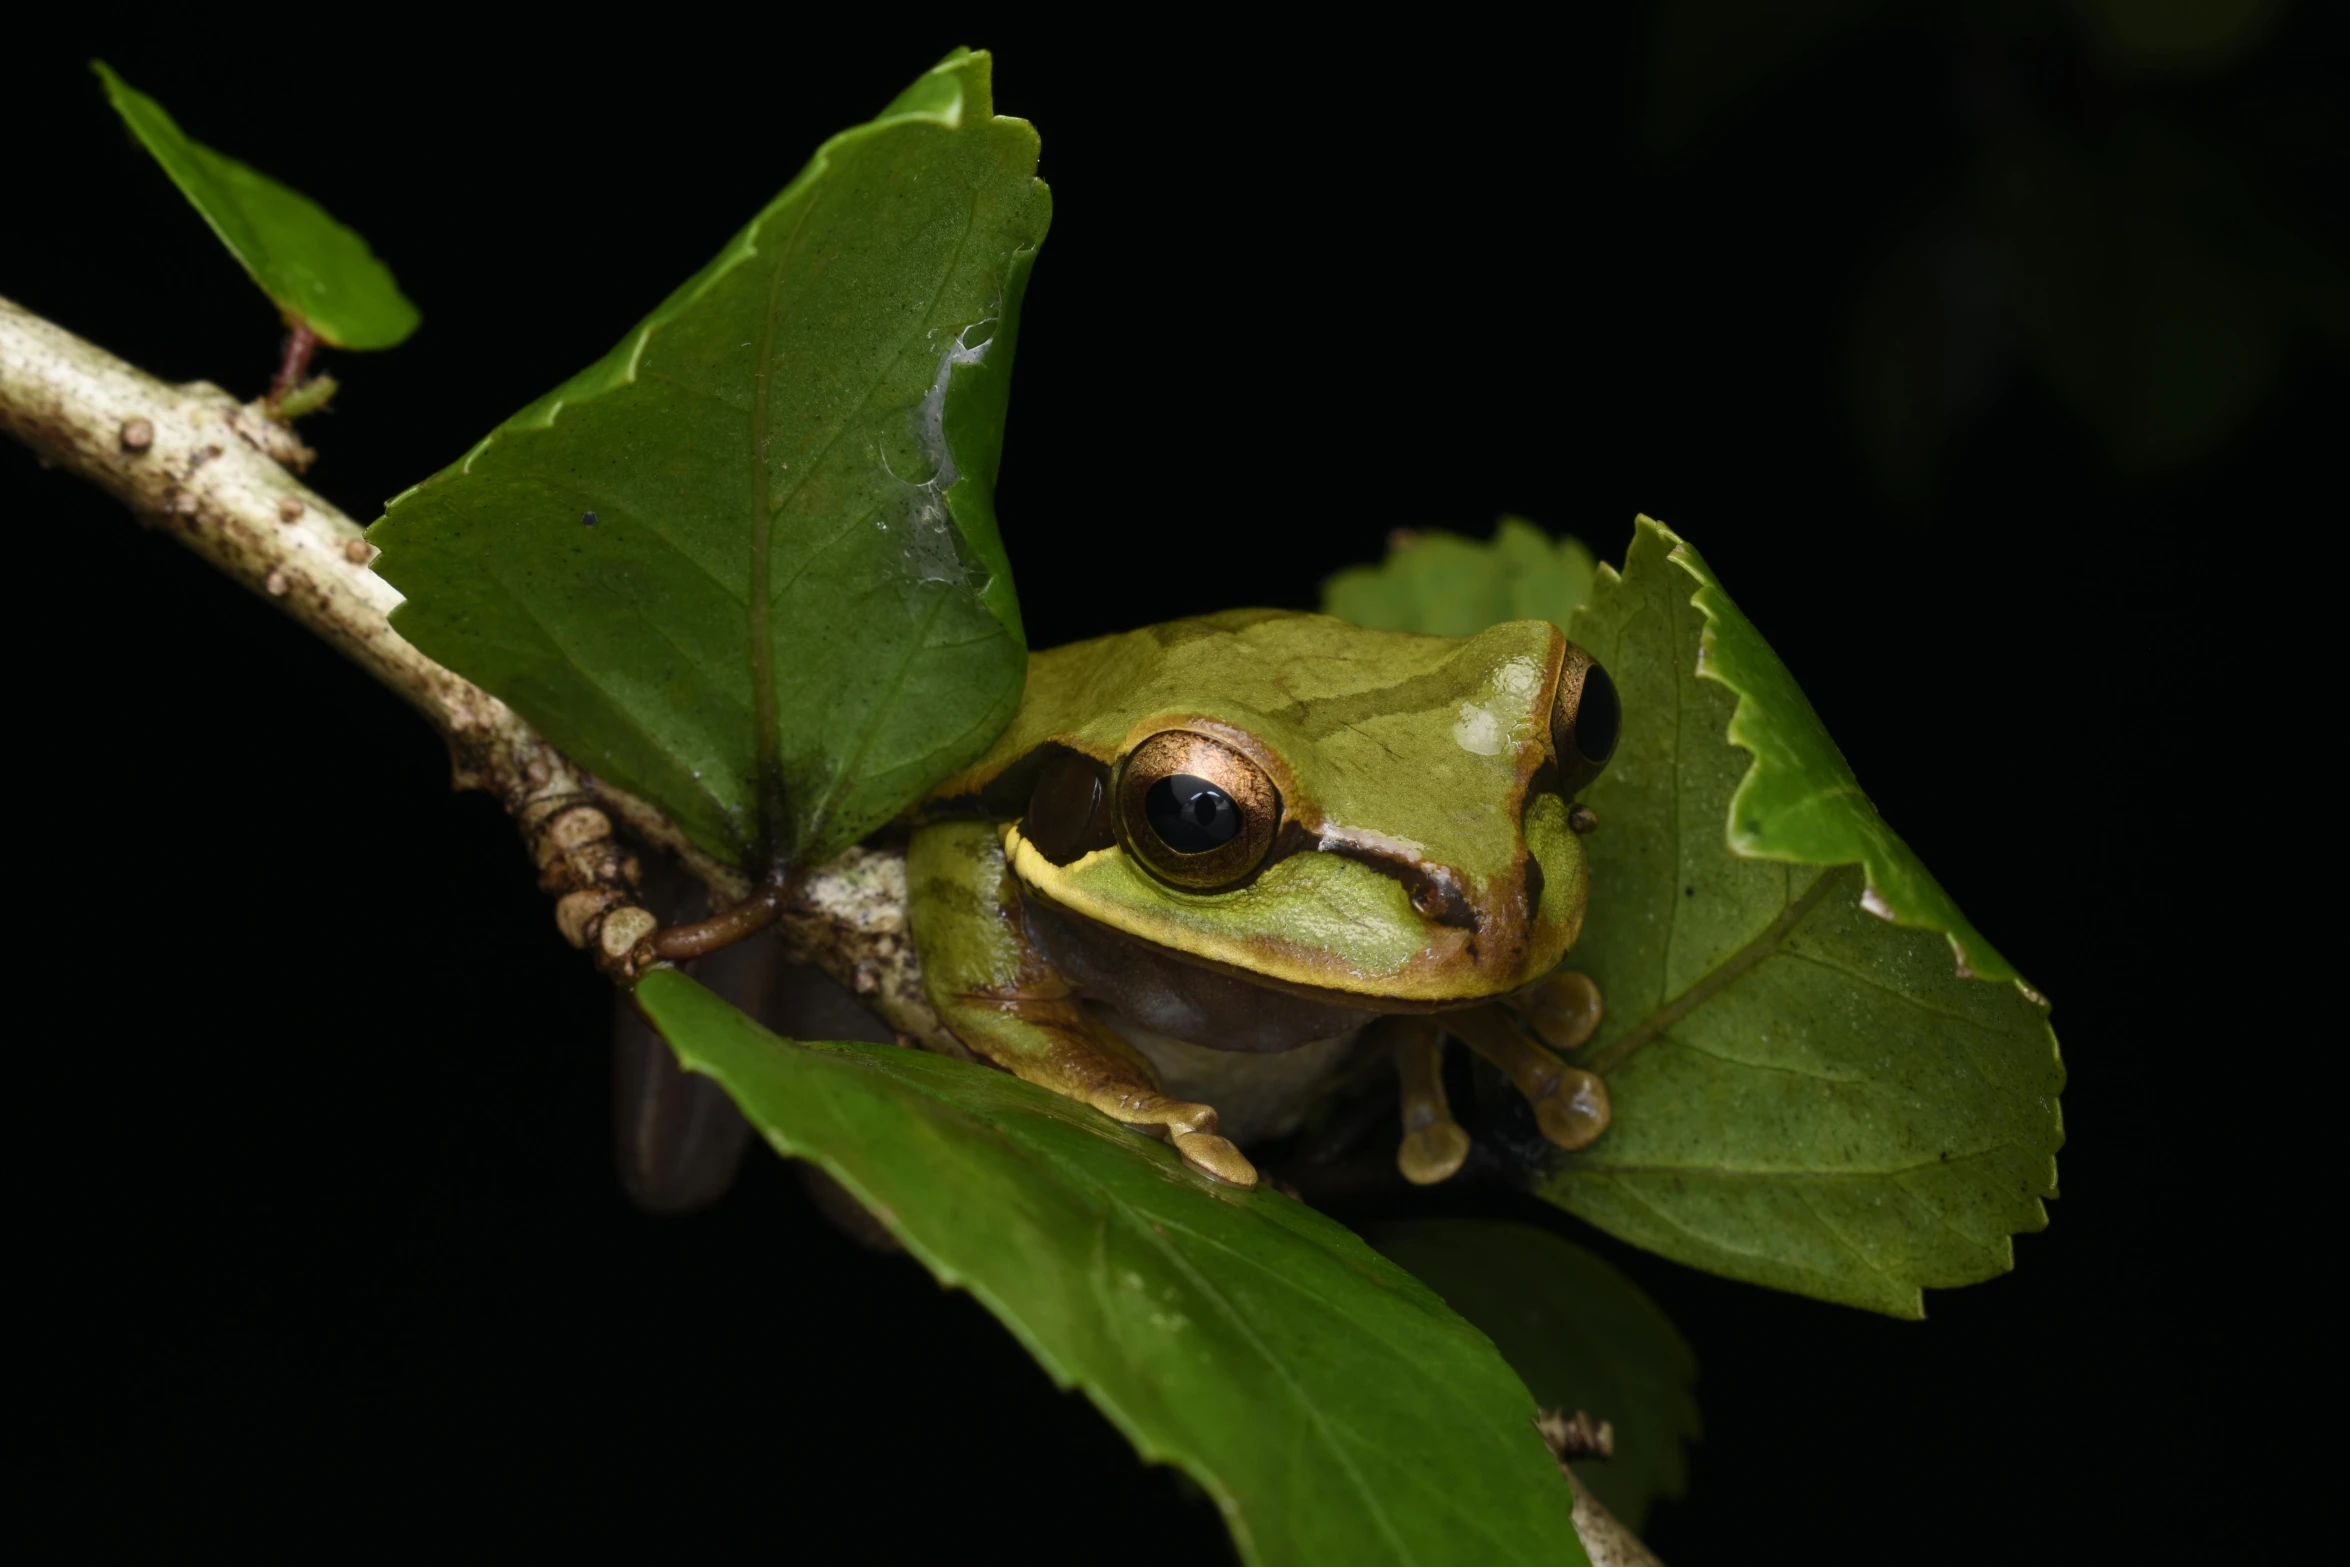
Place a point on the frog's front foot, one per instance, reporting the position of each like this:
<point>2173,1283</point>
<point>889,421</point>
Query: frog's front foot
<point>1215,1155</point>
<point>1570,1105</point>
<point>1192,1129</point>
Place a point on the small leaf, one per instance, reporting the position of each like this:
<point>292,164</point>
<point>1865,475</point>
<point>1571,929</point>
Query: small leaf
<point>1809,1091</point>
<point>315,270</point>
<point>1334,1408</point>
<point>1581,1334</point>
<point>1456,588</point>
<point>792,612</point>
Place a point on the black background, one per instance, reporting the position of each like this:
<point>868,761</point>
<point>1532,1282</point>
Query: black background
<point>310,1099</point>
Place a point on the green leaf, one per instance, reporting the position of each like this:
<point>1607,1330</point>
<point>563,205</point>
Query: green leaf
<point>317,271</point>
<point>1809,1092</point>
<point>792,612</point>
<point>1581,1334</point>
<point>1456,588</point>
<point>1332,1406</point>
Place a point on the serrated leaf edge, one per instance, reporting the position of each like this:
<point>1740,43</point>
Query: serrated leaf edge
<point>743,247</point>
<point>1972,954</point>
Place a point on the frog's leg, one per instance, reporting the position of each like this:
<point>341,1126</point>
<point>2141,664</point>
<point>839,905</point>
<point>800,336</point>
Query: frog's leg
<point>1434,1147</point>
<point>1001,998</point>
<point>1570,1104</point>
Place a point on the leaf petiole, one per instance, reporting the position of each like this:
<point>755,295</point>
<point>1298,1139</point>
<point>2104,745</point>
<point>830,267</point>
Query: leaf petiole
<point>294,366</point>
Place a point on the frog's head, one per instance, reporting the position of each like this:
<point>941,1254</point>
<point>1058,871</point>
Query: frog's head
<point>1311,804</point>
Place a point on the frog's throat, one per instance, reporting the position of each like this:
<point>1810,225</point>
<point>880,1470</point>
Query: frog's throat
<point>1198,1000</point>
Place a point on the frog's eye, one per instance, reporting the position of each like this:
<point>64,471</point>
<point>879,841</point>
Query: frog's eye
<point>1196,812</point>
<point>1583,720</point>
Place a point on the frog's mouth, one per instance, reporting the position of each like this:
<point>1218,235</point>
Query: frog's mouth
<point>1317,944</point>
<point>1197,999</point>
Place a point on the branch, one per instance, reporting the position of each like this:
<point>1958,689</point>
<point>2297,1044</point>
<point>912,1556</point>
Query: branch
<point>218,477</point>
<point>1605,1539</point>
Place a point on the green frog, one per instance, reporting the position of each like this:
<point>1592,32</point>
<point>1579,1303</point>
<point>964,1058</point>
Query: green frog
<point>1222,852</point>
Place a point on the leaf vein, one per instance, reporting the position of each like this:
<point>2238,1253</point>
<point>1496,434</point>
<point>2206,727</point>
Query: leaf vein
<point>1716,980</point>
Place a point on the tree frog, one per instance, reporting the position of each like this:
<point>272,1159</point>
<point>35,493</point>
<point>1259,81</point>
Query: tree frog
<point>1215,851</point>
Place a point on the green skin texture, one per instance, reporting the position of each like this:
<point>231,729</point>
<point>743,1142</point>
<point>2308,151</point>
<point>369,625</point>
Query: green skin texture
<point>1427,750</point>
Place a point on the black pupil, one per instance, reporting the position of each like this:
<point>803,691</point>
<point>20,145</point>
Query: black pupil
<point>1191,815</point>
<point>1598,716</point>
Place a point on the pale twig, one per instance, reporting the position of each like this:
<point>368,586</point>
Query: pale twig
<point>218,477</point>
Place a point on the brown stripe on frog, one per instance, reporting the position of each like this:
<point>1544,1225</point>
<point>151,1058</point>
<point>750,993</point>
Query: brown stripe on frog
<point>1434,890</point>
<point>1065,803</point>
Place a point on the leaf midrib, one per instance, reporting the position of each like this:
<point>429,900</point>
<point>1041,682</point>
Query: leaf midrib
<point>765,723</point>
<point>1720,977</point>
<point>1238,1322</point>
